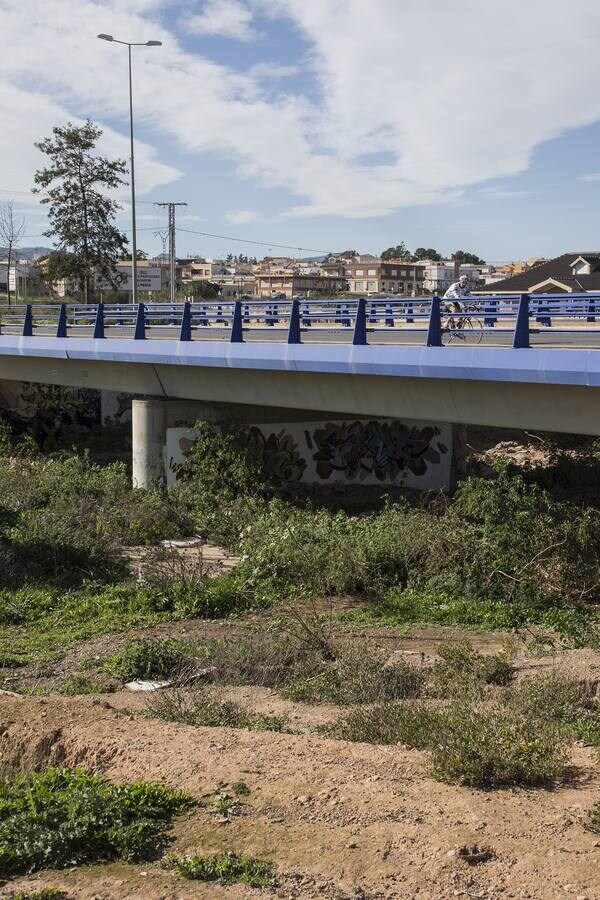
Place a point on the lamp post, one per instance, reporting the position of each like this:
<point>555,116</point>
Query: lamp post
<point>129,45</point>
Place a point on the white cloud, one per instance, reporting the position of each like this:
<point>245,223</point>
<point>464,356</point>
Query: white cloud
<point>241,216</point>
<point>591,176</point>
<point>226,18</point>
<point>452,95</point>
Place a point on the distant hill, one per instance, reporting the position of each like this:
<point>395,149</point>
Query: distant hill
<point>27,252</point>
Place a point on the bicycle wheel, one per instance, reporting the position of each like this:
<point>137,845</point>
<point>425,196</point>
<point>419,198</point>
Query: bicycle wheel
<point>474,329</point>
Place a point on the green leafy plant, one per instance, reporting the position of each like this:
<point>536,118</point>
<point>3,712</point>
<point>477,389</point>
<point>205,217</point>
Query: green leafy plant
<point>66,817</point>
<point>149,658</point>
<point>79,684</point>
<point>226,868</point>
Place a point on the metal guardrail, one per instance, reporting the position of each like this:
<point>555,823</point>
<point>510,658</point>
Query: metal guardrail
<point>363,321</point>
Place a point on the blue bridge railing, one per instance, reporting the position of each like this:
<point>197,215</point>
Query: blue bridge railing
<point>504,319</point>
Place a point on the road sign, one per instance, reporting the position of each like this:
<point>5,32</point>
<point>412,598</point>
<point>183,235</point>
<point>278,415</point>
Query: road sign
<point>150,278</point>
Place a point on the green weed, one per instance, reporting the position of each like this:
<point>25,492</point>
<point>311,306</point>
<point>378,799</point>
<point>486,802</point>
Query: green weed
<point>66,817</point>
<point>227,868</point>
<point>593,819</point>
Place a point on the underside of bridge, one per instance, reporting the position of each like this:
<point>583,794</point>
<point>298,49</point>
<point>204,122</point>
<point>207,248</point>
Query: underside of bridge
<point>525,389</point>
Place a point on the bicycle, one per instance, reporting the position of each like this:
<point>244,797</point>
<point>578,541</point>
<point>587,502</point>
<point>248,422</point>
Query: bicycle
<point>462,327</point>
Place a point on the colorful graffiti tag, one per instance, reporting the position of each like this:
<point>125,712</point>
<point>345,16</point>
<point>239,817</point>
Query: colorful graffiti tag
<point>384,449</point>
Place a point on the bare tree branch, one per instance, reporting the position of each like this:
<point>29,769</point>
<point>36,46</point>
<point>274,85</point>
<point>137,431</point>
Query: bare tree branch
<point>12,230</point>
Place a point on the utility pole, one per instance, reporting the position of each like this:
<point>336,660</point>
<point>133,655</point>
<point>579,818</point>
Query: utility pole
<point>172,258</point>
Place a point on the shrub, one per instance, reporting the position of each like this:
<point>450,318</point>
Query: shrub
<point>222,480</point>
<point>193,705</point>
<point>561,701</point>
<point>391,723</point>
<point>66,817</point>
<point>462,666</point>
<point>497,747</point>
<point>148,658</point>
<point>359,673</point>
<point>268,660</point>
<point>227,868</point>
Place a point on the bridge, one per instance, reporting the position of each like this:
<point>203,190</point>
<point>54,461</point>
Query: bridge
<point>523,362</point>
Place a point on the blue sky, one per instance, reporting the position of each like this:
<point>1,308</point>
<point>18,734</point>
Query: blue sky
<point>326,124</point>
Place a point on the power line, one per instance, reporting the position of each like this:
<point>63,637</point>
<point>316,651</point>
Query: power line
<point>225,237</point>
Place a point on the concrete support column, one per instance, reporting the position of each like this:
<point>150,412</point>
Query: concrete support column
<point>149,422</point>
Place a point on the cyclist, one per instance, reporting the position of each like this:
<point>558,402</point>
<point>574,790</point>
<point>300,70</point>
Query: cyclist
<point>456,292</point>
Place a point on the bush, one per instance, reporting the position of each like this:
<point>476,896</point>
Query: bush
<point>463,667</point>
<point>560,701</point>
<point>359,673</point>
<point>391,723</point>
<point>193,705</point>
<point>227,868</point>
<point>65,817</point>
<point>149,658</point>
<point>222,480</point>
<point>496,748</point>
<point>65,518</point>
<point>268,660</point>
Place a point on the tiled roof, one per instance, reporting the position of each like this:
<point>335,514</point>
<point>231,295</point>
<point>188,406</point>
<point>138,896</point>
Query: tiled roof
<point>559,269</point>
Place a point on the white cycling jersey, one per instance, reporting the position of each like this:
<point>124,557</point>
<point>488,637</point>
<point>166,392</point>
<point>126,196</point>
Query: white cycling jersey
<point>456,291</point>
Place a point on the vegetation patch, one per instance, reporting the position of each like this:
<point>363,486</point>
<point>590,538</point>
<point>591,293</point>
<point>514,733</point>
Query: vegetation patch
<point>593,819</point>
<point>359,673</point>
<point>491,748</point>
<point>59,818</point>
<point>461,666</point>
<point>194,705</point>
<point>226,868</point>
<point>46,893</point>
<point>391,723</point>
<point>149,658</point>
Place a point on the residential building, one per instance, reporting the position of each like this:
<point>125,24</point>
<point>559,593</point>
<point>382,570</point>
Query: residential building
<point>575,272</point>
<point>199,269</point>
<point>372,275</point>
<point>234,286</point>
<point>440,275</point>
<point>288,284</point>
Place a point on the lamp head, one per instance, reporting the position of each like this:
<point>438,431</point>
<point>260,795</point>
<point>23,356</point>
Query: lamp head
<point>106,37</point>
<point>153,43</point>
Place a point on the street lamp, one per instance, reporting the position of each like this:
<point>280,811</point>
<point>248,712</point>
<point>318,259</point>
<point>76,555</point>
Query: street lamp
<point>111,39</point>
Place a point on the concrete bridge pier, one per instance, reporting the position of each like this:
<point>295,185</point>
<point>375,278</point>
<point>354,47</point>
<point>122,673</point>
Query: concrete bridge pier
<point>149,425</point>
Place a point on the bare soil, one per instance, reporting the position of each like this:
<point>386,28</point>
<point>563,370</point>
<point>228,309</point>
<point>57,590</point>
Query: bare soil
<point>339,820</point>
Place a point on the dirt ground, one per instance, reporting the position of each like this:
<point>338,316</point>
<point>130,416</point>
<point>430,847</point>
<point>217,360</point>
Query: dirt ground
<point>340,820</point>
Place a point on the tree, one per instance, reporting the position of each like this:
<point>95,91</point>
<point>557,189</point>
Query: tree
<point>12,230</point>
<point>208,290</point>
<point>397,252</point>
<point>426,253</point>
<point>139,254</point>
<point>462,256</point>
<point>81,216</point>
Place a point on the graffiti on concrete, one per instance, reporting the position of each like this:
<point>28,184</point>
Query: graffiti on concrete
<point>383,449</point>
<point>278,455</point>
